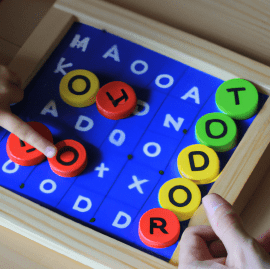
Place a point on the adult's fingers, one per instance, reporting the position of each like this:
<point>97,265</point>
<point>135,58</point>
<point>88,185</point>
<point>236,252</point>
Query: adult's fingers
<point>26,133</point>
<point>225,222</point>
<point>193,244</point>
<point>10,87</point>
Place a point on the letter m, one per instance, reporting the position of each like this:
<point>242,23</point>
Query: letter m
<point>176,124</point>
<point>80,44</point>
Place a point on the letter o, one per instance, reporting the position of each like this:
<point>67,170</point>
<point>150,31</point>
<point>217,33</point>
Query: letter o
<point>156,153</point>
<point>133,65</point>
<point>164,86</point>
<point>41,187</point>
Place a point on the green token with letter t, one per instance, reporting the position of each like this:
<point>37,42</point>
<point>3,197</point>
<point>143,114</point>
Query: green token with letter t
<point>238,98</point>
<point>217,131</point>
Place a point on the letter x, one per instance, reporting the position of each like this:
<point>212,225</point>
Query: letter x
<point>101,170</point>
<point>137,183</point>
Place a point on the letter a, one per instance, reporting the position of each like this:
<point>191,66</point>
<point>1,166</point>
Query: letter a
<point>192,93</point>
<point>112,52</point>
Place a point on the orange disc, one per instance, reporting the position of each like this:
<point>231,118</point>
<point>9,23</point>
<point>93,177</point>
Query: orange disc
<point>116,100</point>
<point>24,154</point>
<point>159,228</point>
<point>70,160</point>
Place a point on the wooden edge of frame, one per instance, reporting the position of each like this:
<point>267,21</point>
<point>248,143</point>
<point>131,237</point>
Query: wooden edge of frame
<point>41,44</point>
<point>81,243</point>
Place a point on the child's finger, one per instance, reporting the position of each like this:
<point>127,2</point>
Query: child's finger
<point>26,133</point>
<point>9,76</point>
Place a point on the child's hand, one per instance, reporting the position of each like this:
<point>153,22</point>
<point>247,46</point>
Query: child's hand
<point>11,92</point>
<point>200,246</point>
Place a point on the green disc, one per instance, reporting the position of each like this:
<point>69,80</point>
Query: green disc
<point>217,131</point>
<point>238,98</point>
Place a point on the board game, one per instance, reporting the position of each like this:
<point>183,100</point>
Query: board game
<point>129,159</point>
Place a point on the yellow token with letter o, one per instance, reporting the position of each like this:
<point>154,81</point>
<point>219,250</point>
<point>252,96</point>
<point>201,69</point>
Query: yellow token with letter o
<point>198,163</point>
<point>181,196</point>
<point>79,88</point>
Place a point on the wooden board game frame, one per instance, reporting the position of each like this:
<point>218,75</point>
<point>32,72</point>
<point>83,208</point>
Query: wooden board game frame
<point>238,180</point>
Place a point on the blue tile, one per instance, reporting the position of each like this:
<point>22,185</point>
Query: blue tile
<point>127,132</point>
<point>134,184</point>
<point>169,75</point>
<point>80,202</point>
<point>195,87</point>
<point>12,175</point>
<point>155,150</point>
<point>142,66</point>
<point>115,219</point>
<point>173,117</point>
<point>100,177</point>
<point>87,123</point>
<point>45,186</point>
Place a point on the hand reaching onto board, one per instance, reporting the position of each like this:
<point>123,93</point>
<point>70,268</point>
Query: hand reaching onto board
<point>200,246</point>
<point>11,92</point>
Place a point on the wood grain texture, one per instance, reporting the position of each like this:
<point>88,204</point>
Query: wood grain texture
<point>241,26</point>
<point>70,238</point>
<point>7,51</point>
<point>18,19</point>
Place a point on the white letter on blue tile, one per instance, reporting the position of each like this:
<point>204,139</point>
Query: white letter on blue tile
<point>164,86</point>
<point>169,119</point>
<point>142,112</point>
<point>79,199</point>
<point>137,183</point>
<point>118,217</point>
<point>192,93</point>
<point>101,170</point>
<point>112,52</point>
<point>151,144</point>
<point>50,108</point>
<point>53,186</point>
<point>79,122</point>
<point>137,72</point>
<point>61,66</point>
<point>80,44</point>
<point>9,171</point>
<point>117,142</point>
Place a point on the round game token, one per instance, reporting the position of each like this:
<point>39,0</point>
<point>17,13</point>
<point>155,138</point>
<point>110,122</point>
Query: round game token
<point>217,131</point>
<point>79,88</point>
<point>238,98</point>
<point>116,100</point>
<point>159,228</point>
<point>24,154</point>
<point>70,160</point>
<point>180,195</point>
<point>198,163</point>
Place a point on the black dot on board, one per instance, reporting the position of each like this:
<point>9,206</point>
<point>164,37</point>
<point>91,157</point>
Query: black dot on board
<point>92,220</point>
<point>104,31</point>
<point>130,156</point>
<point>22,186</point>
<point>185,131</point>
<point>161,172</point>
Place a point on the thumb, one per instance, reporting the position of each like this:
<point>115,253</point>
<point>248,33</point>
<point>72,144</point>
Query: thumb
<point>226,224</point>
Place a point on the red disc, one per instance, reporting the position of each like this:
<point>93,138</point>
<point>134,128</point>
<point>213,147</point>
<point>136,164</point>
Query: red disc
<point>70,160</point>
<point>24,154</point>
<point>116,100</point>
<point>159,228</point>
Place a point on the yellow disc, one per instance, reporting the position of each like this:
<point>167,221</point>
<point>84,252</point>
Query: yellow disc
<point>207,181</point>
<point>198,163</point>
<point>79,88</point>
<point>181,196</point>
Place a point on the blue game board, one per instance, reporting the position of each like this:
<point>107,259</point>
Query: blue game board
<point>129,159</point>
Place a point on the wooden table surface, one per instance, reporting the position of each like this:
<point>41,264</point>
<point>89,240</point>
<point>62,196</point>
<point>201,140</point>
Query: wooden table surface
<point>241,26</point>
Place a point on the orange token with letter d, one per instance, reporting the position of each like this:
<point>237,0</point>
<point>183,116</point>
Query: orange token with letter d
<point>159,228</point>
<point>23,153</point>
<point>70,160</point>
<point>116,100</point>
